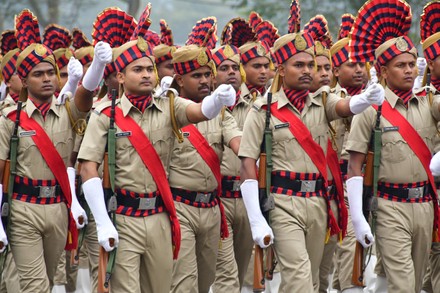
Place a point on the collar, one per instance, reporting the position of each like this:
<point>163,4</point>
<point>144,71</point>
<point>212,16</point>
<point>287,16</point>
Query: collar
<point>126,105</point>
<point>31,108</point>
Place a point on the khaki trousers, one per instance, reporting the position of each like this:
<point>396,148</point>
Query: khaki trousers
<point>9,282</point>
<point>144,258</point>
<point>299,226</point>
<point>431,281</point>
<point>194,270</point>
<point>38,237</point>
<point>325,269</point>
<point>236,250</point>
<point>404,236</point>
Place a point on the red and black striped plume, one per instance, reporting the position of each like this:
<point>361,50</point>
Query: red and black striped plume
<point>237,32</point>
<point>347,21</point>
<point>378,21</point>
<point>267,33</point>
<point>113,26</point>
<point>152,38</point>
<point>143,24</point>
<point>294,20</point>
<point>57,37</point>
<point>203,34</point>
<point>27,30</point>
<point>8,42</point>
<point>430,20</point>
<point>79,39</point>
<point>254,19</point>
<point>317,27</point>
<point>166,35</point>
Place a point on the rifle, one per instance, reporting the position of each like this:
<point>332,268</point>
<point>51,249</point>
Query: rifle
<point>107,259</point>
<point>369,200</point>
<point>9,173</point>
<point>266,200</point>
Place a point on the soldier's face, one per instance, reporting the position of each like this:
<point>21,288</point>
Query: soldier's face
<point>139,77</point>
<point>228,73</point>
<point>297,71</point>
<point>400,72</point>
<point>41,82</point>
<point>14,84</point>
<point>196,84</point>
<point>165,68</point>
<point>434,67</point>
<point>63,77</point>
<point>257,71</point>
<point>323,75</point>
<point>351,74</point>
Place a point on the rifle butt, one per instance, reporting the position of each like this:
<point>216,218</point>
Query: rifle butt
<point>258,285</point>
<point>6,174</point>
<point>102,270</point>
<point>270,263</point>
<point>262,172</point>
<point>357,277</point>
<point>106,174</point>
<point>368,173</point>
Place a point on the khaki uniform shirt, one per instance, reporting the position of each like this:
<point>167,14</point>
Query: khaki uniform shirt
<point>231,164</point>
<point>398,163</point>
<point>57,125</point>
<point>7,102</point>
<point>188,170</point>
<point>155,121</point>
<point>287,153</point>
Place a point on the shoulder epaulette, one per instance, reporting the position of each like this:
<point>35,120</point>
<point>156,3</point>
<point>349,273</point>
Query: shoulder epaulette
<point>103,106</point>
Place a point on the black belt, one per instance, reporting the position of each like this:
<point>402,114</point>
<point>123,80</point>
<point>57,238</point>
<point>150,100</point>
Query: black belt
<point>139,203</point>
<point>230,185</point>
<point>194,196</point>
<point>406,193</point>
<point>298,185</point>
<point>38,191</point>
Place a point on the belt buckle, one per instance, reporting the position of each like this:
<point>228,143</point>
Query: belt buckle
<point>308,185</point>
<point>147,203</point>
<point>47,191</point>
<point>236,185</point>
<point>203,197</point>
<point>415,192</point>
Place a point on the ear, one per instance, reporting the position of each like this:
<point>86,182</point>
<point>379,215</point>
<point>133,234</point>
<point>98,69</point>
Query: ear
<point>282,70</point>
<point>23,82</point>
<point>384,72</point>
<point>336,71</point>
<point>179,80</point>
<point>120,77</point>
<point>431,65</point>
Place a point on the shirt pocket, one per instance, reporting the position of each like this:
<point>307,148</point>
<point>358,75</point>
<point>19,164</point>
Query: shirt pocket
<point>162,141</point>
<point>63,142</point>
<point>215,140</point>
<point>393,147</point>
<point>430,135</point>
<point>285,145</point>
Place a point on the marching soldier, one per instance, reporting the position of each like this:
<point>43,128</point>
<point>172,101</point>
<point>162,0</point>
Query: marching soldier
<point>145,237</point>
<point>299,177</point>
<point>405,206</point>
<point>42,203</point>
<point>235,251</point>
<point>195,176</point>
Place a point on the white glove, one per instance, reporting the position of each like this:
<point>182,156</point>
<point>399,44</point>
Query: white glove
<point>421,65</point>
<point>3,88</point>
<point>3,237</point>
<point>95,198</point>
<point>76,209</point>
<point>361,227</point>
<point>224,95</point>
<point>434,166</point>
<point>374,94</point>
<point>75,72</point>
<point>103,56</point>
<point>259,227</point>
<point>373,75</point>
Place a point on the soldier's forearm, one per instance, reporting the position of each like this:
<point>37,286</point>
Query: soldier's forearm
<point>83,99</point>
<point>194,113</point>
<point>248,169</point>
<point>89,170</point>
<point>355,164</point>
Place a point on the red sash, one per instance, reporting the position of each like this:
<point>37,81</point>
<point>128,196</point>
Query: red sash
<point>56,165</point>
<point>152,161</point>
<point>313,150</point>
<point>210,157</point>
<point>418,146</point>
<point>333,165</point>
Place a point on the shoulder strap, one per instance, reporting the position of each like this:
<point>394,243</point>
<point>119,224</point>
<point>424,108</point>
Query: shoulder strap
<point>418,146</point>
<point>56,165</point>
<point>153,163</point>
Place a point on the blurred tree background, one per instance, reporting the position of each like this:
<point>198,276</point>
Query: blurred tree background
<point>181,15</point>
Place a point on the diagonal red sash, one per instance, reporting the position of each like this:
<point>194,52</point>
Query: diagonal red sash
<point>333,165</point>
<point>152,161</point>
<point>210,157</point>
<point>312,149</point>
<point>419,147</point>
<point>56,165</point>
